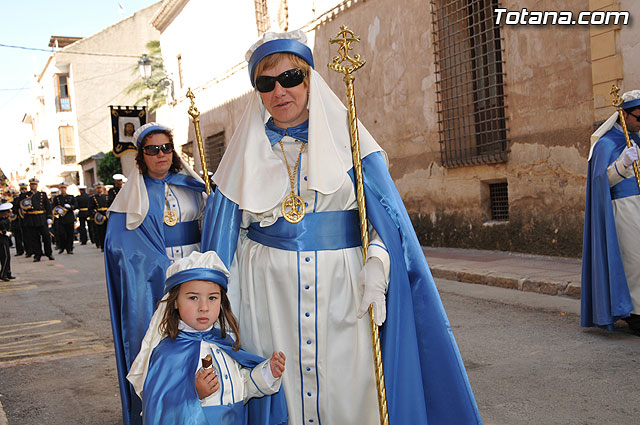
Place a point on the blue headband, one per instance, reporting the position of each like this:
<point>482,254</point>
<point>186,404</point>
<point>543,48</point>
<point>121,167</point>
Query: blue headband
<point>281,45</point>
<point>212,275</point>
<point>630,103</point>
<point>148,130</point>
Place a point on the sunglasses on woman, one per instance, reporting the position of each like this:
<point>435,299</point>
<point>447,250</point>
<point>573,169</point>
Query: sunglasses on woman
<point>291,78</point>
<point>153,150</point>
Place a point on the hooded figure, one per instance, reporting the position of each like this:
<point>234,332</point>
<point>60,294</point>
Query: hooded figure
<point>610,250</point>
<point>166,371</point>
<point>154,220</point>
<point>284,218</point>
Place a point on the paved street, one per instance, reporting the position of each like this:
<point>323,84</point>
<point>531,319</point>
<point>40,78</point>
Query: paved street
<point>528,360</point>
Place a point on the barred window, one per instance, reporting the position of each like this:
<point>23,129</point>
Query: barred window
<point>469,80</point>
<point>214,149</point>
<point>499,199</point>
<point>262,16</point>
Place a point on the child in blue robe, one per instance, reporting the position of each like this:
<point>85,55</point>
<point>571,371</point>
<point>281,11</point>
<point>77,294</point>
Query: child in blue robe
<point>237,388</point>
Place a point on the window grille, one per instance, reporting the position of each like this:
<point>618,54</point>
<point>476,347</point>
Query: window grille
<point>262,16</point>
<point>469,82</point>
<point>214,149</point>
<point>499,198</point>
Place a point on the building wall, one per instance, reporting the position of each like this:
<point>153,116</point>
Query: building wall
<point>100,81</point>
<point>550,96</point>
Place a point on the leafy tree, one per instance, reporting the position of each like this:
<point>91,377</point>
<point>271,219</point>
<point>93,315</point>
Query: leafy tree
<point>108,166</point>
<point>153,91</point>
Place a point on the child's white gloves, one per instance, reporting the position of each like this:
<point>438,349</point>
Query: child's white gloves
<point>373,288</point>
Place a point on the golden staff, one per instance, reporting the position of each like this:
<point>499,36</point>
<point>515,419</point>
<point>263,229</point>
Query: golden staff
<point>617,102</point>
<point>344,39</point>
<point>193,111</point>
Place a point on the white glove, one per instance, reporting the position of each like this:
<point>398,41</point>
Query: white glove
<point>49,221</point>
<point>67,206</point>
<point>8,234</point>
<point>629,155</point>
<point>373,288</point>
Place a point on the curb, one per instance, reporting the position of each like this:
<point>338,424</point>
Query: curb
<point>525,284</point>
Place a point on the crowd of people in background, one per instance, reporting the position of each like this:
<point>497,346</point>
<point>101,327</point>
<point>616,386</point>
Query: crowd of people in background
<point>36,223</point>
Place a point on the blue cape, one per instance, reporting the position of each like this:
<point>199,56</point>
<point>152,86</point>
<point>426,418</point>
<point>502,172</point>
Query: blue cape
<point>605,293</point>
<point>425,378</point>
<point>135,265</point>
<point>170,397</point>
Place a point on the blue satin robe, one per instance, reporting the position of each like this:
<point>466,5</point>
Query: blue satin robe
<point>135,264</point>
<point>605,294</point>
<point>170,397</point>
<point>426,381</point>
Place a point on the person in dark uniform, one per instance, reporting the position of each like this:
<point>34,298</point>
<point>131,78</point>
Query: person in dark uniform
<point>5,241</point>
<point>54,228</point>
<point>37,219</point>
<point>92,226</point>
<point>82,203</point>
<point>19,235</point>
<point>64,204</point>
<point>118,180</point>
<point>98,210</point>
<point>16,220</point>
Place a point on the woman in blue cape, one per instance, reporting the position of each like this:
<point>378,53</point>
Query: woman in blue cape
<point>610,251</point>
<point>284,218</point>
<point>189,372</point>
<point>153,220</point>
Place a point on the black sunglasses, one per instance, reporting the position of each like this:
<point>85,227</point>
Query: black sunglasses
<point>634,116</point>
<point>287,79</point>
<point>153,150</point>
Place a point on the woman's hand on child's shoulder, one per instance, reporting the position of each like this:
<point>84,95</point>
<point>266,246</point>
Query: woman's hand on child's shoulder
<point>206,382</point>
<point>277,363</point>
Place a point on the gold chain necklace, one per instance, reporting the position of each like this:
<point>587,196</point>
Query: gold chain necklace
<point>169,217</point>
<point>293,206</point>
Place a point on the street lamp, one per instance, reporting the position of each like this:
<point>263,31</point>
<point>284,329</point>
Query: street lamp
<point>144,65</point>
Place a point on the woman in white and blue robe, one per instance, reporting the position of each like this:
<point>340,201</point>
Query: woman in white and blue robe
<point>139,246</point>
<point>298,286</point>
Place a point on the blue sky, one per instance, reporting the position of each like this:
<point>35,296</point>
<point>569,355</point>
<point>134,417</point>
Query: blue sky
<point>30,24</point>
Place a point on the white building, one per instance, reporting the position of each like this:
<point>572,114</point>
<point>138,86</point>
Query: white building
<point>70,115</point>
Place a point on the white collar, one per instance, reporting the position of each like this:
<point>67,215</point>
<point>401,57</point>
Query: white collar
<point>132,199</point>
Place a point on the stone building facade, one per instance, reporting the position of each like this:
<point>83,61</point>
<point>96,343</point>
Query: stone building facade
<point>486,126</point>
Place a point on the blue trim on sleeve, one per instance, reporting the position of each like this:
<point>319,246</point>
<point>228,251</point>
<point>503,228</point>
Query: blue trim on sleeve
<point>254,382</point>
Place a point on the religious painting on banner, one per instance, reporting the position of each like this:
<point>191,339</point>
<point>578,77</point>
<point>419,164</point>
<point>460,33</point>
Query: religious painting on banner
<point>125,120</point>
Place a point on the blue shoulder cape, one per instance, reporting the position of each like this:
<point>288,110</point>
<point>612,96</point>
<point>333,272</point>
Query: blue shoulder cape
<point>135,265</point>
<point>425,378</point>
<point>604,295</point>
<point>170,397</point>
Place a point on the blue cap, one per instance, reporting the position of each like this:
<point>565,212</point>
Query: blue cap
<point>630,103</point>
<point>143,130</point>
<point>211,275</point>
<point>280,45</point>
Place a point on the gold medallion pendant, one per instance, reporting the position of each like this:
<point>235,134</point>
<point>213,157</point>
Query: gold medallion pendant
<point>293,208</point>
<point>170,218</point>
